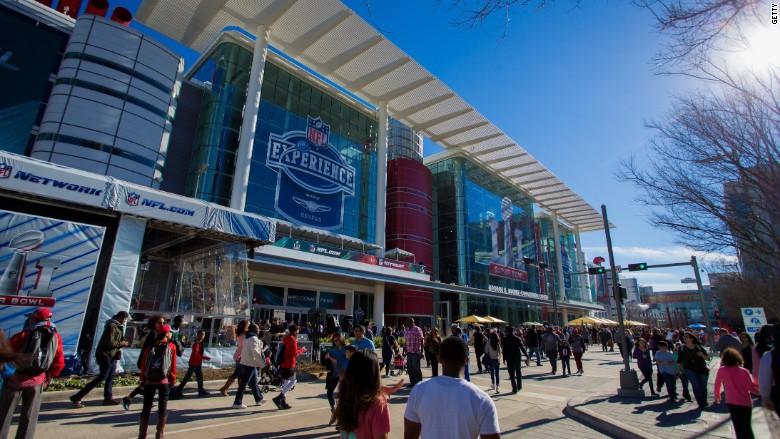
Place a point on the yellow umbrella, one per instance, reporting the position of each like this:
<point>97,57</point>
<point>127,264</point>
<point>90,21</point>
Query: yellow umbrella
<point>584,321</point>
<point>473,319</point>
<point>634,323</point>
<point>493,319</point>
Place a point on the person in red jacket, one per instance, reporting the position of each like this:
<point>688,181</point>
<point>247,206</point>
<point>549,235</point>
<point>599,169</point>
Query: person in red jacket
<point>29,387</point>
<point>158,375</point>
<point>195,366</point>
<point>287,369</point>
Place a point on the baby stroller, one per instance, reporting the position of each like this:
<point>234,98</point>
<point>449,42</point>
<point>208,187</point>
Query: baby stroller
<point>399,365</point>
<point>269,377</point>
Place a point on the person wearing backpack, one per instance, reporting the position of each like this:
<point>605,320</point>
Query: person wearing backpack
<point>107,354</point>
<point>158,375</point>
<point>42,345</point>
<point>148,337</point>
<point>290,353</point>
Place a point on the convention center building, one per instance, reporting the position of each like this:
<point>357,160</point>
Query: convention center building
<point>281,175</point>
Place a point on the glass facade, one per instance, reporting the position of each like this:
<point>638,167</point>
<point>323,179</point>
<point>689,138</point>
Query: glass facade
<point>483,229</point>
<point>210,288</point>
<point>403,142</point>
<point>568,258</point>
<point>288,103</point>
<point>30,52</point>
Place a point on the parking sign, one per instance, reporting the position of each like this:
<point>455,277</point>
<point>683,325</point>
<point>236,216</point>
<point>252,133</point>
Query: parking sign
<point>754,319</point>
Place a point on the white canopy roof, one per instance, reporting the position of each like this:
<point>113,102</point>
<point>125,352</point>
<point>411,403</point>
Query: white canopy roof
<point>338,44</point>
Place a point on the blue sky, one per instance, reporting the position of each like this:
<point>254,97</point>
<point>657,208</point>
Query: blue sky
<point>573,86</point>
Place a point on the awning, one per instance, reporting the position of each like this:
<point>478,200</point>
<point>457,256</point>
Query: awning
<point>369,274</point>
<point>398,253</point>
<point>28,176</point>
<point>331,39</point>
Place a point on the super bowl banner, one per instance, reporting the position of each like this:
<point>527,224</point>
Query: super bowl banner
<point>46,262</point>
<point>349,255</point>
<point>313,176</point>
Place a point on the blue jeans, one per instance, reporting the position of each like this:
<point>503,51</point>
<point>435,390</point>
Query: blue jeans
<point>532,351</point>
<point>493,367</point>
<point>699,384</point>
<point>198,371</point>
<point>248,377</point>
<point>107,371</point>
<point>671,384</point>
<point>466,372</point>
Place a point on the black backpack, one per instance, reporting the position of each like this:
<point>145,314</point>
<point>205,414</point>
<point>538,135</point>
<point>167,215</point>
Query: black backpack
<point>158,363</point>
<point>41,346</point>
<point>279,357</point>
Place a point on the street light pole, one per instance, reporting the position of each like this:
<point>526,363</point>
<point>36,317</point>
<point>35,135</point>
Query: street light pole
<point>629,382</point>
<point>705,314</point>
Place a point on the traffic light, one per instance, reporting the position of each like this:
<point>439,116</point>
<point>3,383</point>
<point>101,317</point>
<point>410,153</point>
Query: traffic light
<point>637,267</point>
<point>623,293</point>
<point>596,270</point>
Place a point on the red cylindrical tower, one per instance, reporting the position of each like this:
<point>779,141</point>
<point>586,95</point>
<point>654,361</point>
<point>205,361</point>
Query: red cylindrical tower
<point>410,227</point>
<point>97,7</point>
<point>69,7</point>
<point>122,16</point>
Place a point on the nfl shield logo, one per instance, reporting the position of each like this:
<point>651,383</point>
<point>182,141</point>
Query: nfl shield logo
<point>318,132</point>
<point>132,199</point>
<point>5,170</point>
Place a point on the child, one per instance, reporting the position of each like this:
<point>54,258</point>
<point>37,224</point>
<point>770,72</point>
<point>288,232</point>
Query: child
<point>644,363</point>
<point>667,367</point>
<point>158,374</point>
<point>362,409</point>
<point>195,365</point>
<point>565,353</point>
<point>739,383</point>
<point>351,349</point>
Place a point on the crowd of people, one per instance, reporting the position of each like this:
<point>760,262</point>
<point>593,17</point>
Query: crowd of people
<point>354,391</point>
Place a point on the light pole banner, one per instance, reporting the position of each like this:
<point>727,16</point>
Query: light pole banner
<point>754,319</point>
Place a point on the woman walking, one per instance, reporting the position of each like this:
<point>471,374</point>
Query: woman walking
<point>241,329</point>
<point>693,359</point>
<point>148,339</point>
<point>645,364</point>
<point>389,348</point>
<point>434,347</point>
<point>493,354</point>
<point>158,375</point>
<point>338,357</point>
<point>578,348</point>
<point>738,383</point>
<point>747,351</point>
<point>362,410</point>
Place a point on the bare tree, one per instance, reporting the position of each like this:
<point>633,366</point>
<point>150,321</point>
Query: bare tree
<point>736,291</point>
<point>713,172</point>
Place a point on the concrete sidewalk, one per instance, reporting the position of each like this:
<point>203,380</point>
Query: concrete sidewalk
<point>548,406</point>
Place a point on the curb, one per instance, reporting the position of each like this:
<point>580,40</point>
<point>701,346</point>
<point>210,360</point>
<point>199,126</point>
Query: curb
<point>603,423</point>
<point>97,393</point>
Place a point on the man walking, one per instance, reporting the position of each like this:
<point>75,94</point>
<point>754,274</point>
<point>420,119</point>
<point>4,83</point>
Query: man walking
<point>532,341</point>
<point>479,347</point>
<point>361,341</point>
<point>414,345</point>
<point>512,349</point>
<point>107,353</point>
<point>473,415</point>
<point>287,370</point>
<point>39,339</point>
<point>251,358</point>
<point>551,342</point>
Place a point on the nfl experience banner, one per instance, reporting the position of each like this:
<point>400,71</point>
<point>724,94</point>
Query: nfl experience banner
<point>313,177</point>
<point>46,262</point>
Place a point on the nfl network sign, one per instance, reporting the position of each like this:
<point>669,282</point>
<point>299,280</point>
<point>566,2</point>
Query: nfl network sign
<point>313,176</point>
<point>753,318</point>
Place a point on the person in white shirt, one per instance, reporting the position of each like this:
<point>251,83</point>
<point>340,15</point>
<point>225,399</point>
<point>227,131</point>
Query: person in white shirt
<point>448,405</point>
<point>251,358</point>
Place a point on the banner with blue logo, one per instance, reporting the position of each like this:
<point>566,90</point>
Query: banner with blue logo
<point>313,177</point>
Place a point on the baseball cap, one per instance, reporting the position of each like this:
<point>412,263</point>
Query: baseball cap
<point>40,314</point>
<point>164,329</point>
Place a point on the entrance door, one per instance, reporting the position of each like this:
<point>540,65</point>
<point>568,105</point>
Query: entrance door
<point>443,317</point>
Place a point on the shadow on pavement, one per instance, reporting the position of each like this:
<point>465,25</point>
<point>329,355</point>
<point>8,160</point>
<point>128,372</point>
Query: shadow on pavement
<point>298,433</point>
<point>532,424</point>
